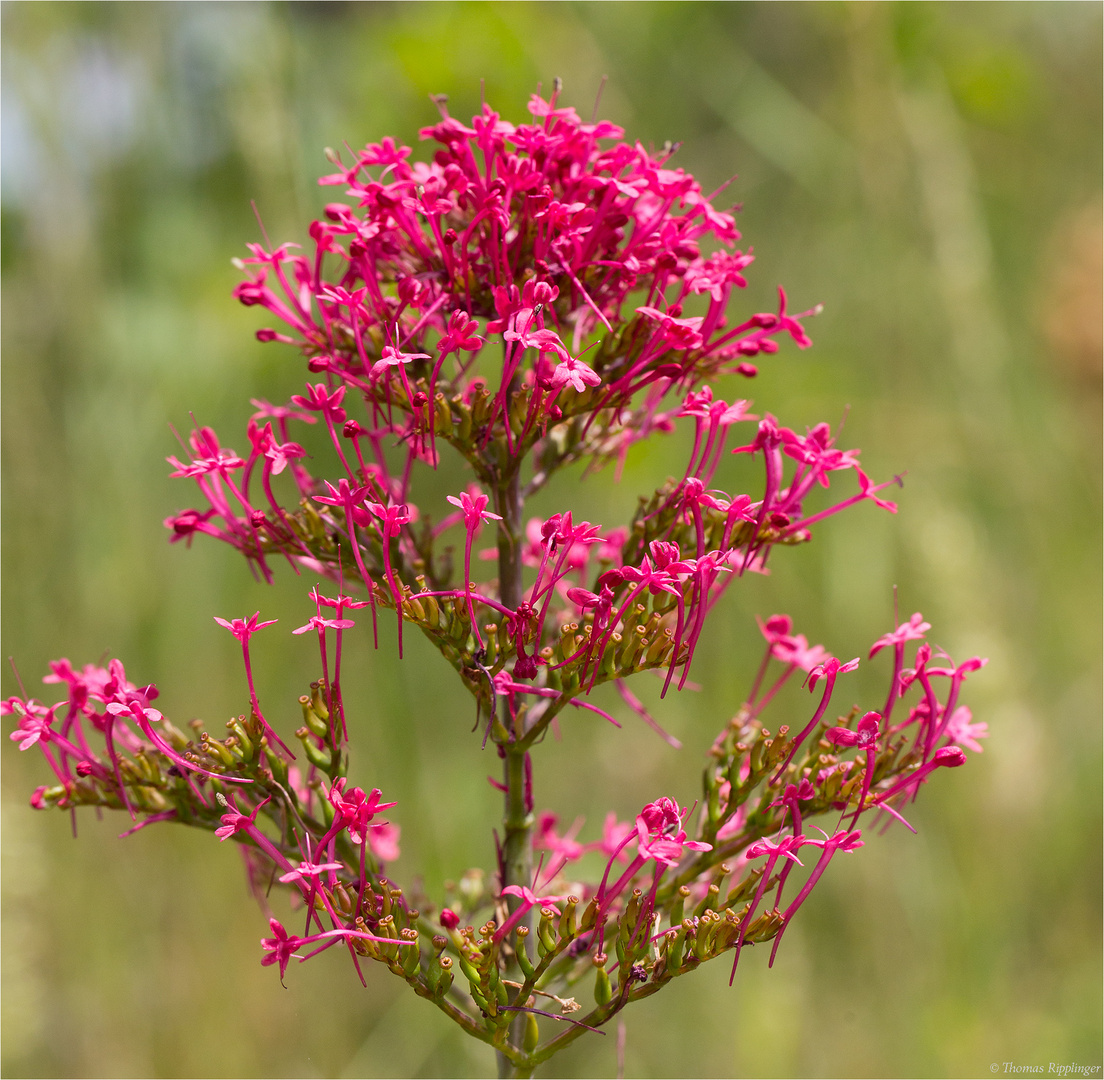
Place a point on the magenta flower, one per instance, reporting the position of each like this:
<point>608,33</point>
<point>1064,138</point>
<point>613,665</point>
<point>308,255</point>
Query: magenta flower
<point>319,398</point>
<point>32,728</point>
<point>544,341</point>
<point>961,730</point>
<point>234,822</point>
<point>949,756</point>
<point>280,947</point>
<point>349,497</point>
<point>393,518</point>
<point>786,848</point>
<point>145,719</point>
<point>792,797</point>
<point>472,505</point>
<point>528,900</point>
<point>574,373</point>
<point>667,849</point>
<point>659,830</point>
<point>311,871</point>
<point>353,811</point>
<point>829,670</point>
<point>844,841</point>
<point>321,625</point>
<point>865,737</point>
<point>383,841</point>
<point>913,630</point>
<point>243,630</point>
<point>461,333</point>
<point>391,358</point>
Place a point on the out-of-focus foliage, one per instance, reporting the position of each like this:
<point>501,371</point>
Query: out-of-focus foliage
<point>931,173</point>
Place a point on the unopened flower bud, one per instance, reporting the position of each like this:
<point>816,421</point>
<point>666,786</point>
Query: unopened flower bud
<point>410,955</point>
<point>530,1039</point>
<point>439,975</point>
<point>603,992</point>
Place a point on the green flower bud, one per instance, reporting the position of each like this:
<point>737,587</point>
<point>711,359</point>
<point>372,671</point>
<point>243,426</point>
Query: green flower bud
<point>411,955</point>
<point>567,919</point>
<point>314,722</point>
<point>603,991</point>
<point>318,701</point>
<point>471,973</point>
<point>526,965</point>
<point>439,974</point>
<point>530,1038</point>
<point>315,754</point>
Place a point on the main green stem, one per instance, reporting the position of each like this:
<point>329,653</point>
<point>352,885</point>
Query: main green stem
<point>517,856</point>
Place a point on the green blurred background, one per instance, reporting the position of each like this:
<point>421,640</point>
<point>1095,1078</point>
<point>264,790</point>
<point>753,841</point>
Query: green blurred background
<point>930,172</point>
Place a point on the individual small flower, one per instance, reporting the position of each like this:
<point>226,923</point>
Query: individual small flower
<point>792,797</point>
<point>961,730</point>
<point>845,841</point>
<point>321,625</point>
<point>865,737</point>
<point>217,459</point>
<point>544,341</point>
<point>391,358</point>
<point>145,718</point>
<point>949,757</point>
<point>311,871</point>
<point>829,670</point>
<point>353,811</point>
<point>383,841</point>
<point>786,848</point>
<point>574,373</point>
<point>243,630</point>
<point>461,333</point>
<point>660,833</point>
<point>280,947</point>
<point>675,333</point>
<point>529,900</point>
<point>392,517</point>
<point>319,398</point>
<point>234,822</point>
<point>473,505</point>
<point>564,848</point>
<point>912,630</point>
<point>33,728</point>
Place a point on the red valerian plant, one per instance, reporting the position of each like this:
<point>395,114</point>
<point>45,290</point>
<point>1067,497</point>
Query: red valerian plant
<point>520,301</point>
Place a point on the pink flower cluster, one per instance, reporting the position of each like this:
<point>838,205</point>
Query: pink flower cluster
<point>931,735</point>
<point>533,296</point>
<point>536,238</point>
